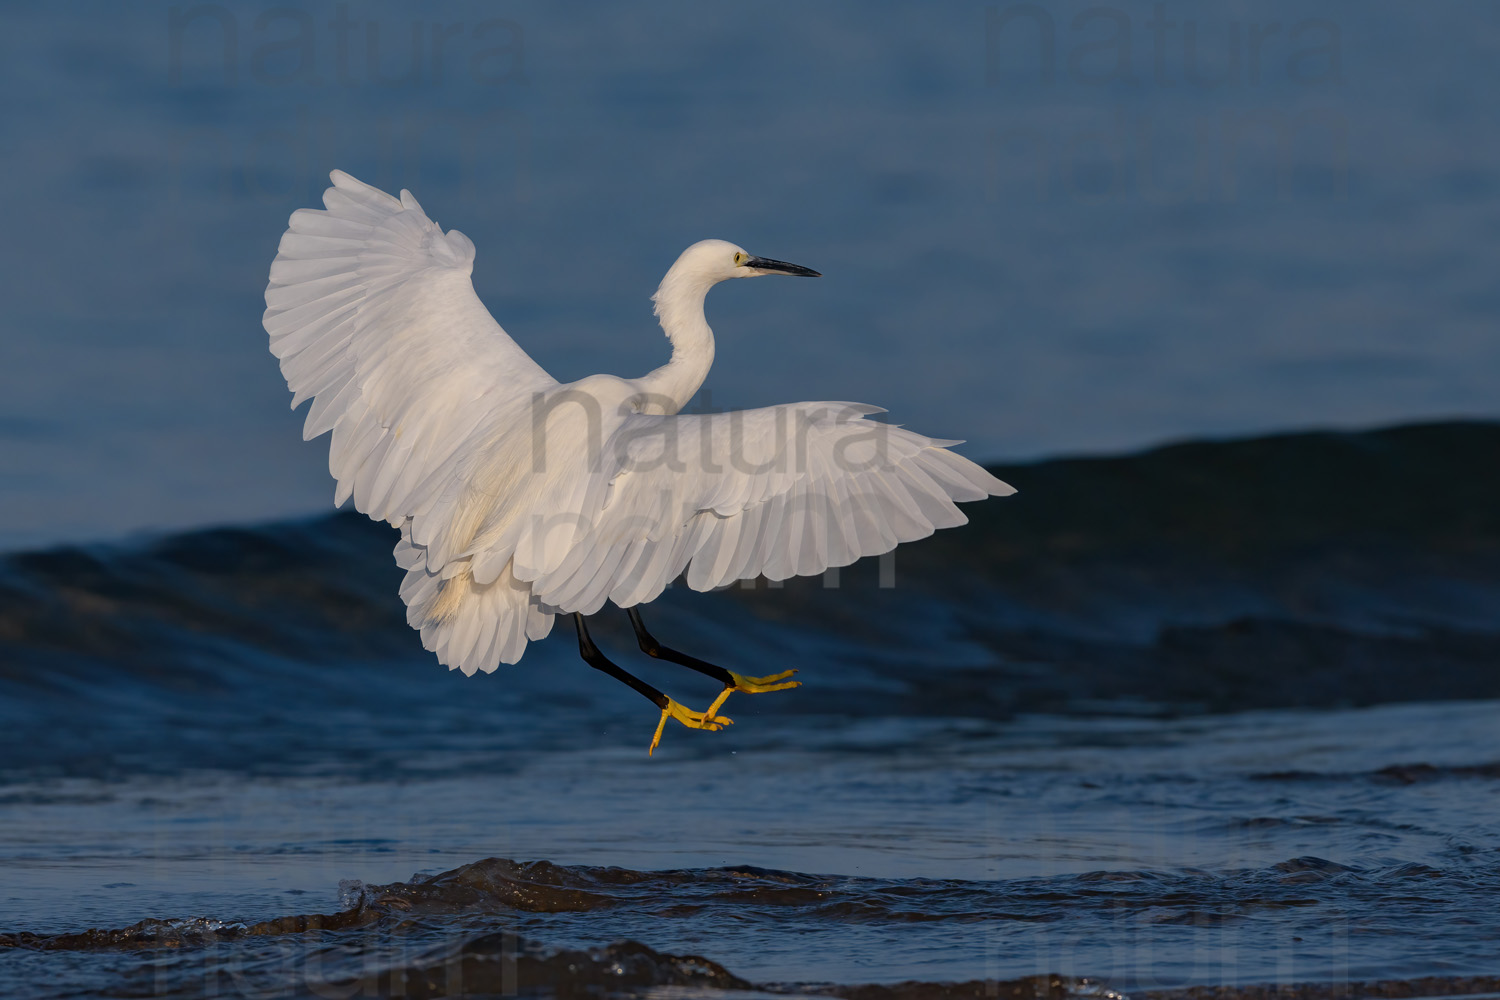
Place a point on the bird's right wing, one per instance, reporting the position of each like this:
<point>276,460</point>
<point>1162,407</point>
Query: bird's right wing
<point>781,491</point>
<point>372,313</point>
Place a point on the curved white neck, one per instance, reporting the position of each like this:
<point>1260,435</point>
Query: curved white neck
<point>679,306</point>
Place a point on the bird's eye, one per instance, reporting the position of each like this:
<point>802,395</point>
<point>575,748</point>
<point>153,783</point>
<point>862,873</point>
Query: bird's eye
<point>739,258</point>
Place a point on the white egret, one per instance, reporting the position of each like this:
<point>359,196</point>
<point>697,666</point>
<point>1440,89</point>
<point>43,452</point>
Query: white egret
<point>519,498</point>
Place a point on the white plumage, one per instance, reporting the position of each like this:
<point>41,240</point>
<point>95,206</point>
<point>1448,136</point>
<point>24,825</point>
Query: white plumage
<point>519,497</point>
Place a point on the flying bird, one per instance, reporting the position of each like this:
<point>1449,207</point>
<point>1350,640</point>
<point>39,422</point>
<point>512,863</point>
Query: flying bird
<point>520,498</point>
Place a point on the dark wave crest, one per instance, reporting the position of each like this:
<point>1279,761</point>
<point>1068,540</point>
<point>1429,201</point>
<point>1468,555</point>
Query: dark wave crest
<point>437,936</point>
<point>1297,570</point>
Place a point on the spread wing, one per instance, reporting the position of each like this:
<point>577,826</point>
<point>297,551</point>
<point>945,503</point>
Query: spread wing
<point>782,491</point>
<point>372,313</point>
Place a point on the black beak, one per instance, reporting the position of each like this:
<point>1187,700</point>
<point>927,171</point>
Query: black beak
<point>782,267</point>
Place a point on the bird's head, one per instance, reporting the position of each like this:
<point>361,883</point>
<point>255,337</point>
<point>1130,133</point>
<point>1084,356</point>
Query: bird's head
<point>712,261</point>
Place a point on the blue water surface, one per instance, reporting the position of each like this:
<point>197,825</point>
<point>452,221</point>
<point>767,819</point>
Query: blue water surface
<point>1042,230</point>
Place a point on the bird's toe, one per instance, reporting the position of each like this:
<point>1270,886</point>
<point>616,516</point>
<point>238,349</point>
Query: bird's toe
<point>760,685</point>
<point>688,717</point>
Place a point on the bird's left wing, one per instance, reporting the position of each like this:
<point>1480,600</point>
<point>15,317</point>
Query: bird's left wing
<point>371,310</point>
<point>782,491</point>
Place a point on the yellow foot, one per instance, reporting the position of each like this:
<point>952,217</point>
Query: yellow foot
<point>689,718</point>
<point>752,685</point>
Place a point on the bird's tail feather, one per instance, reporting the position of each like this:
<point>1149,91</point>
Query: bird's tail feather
<point>471,626</point>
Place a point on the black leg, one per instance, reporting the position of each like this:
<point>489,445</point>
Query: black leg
<point>596,659</point>
<point>652,648</point>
